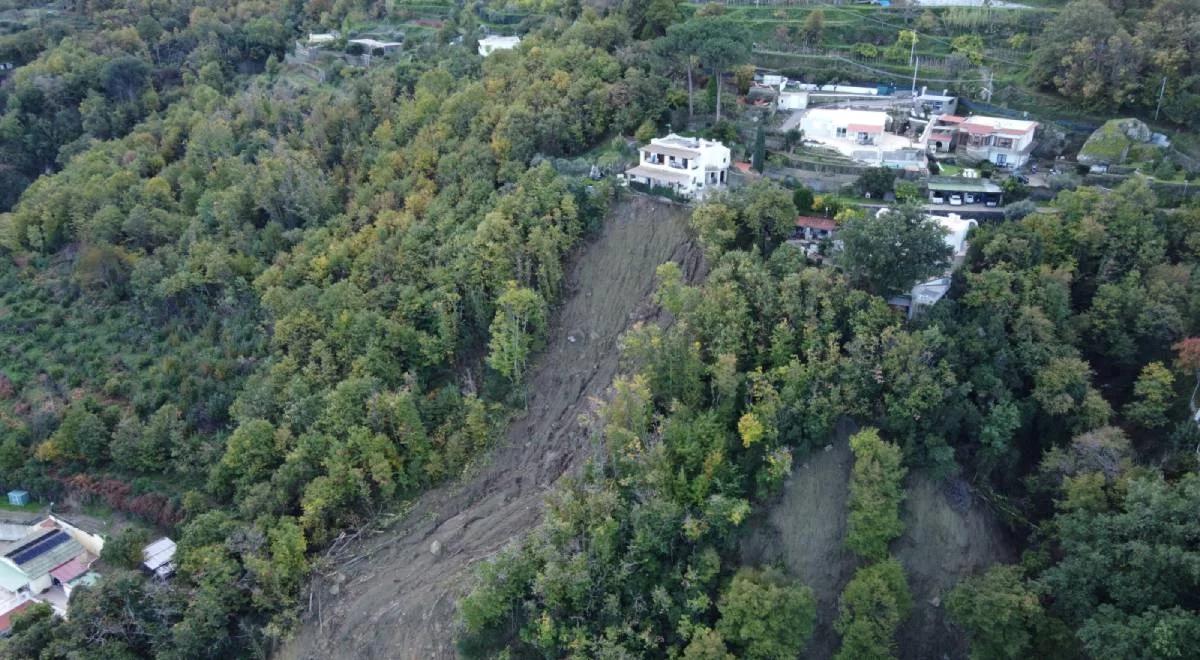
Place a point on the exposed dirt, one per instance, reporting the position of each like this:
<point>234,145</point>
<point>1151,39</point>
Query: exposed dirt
<point>398,597</point>
<point>805,532</point>
<point>948,534</point>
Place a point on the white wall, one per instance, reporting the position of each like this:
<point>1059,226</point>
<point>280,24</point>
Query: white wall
<point>41,584</point>
<point>793,100</point>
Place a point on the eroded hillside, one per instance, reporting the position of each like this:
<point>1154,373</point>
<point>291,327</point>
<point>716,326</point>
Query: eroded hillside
<point>395,595</point>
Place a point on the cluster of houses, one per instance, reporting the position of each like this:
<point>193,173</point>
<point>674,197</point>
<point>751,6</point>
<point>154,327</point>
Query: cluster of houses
<point>44,558</point>
<point>867,136</point>
<point>811,232</point>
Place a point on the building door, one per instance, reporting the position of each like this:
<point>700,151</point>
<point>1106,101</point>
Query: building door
<point>1001,159</point>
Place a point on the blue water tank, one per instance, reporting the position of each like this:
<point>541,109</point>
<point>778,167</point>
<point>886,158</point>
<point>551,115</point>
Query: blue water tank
<point>18,497</point>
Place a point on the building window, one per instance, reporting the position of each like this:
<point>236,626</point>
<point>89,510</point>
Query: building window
<point>1001,159</point>
<point>841,132</point>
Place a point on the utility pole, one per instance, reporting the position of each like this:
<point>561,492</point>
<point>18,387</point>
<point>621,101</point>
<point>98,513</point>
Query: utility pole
<point>912,50</point>
<point>1161,89</point>
<point>916,67</point>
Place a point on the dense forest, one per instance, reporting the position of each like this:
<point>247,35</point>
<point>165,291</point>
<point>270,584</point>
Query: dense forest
<point>253,309</point>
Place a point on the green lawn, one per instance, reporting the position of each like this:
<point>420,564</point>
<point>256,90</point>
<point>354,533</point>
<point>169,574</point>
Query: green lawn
<point>32,507</point>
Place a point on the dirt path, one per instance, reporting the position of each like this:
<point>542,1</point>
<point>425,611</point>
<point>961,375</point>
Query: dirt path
<point>948,534</point>
<point>399,602</point>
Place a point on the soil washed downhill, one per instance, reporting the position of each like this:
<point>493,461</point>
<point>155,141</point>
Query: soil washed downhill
<point>398,597</point>
<point>949,534</point>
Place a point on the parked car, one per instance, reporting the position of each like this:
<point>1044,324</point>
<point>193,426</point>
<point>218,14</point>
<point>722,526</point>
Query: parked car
<point>956,200</point>
<point>968,198</point>
<point>990,202</point>
<point>938,199</point>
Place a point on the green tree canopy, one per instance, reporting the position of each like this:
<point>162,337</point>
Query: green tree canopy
<point>764,615</point>
<point>889,253</point>
<point>519,325</point>
<point>876,493</point>
<point>872,606</point>
<point>1000,611</point>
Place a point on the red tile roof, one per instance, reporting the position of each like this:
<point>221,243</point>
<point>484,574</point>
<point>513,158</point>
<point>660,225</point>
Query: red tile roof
<point>813,222</point>
<point>6,618</point>
<point>69,571</point>
<point>977,129</point>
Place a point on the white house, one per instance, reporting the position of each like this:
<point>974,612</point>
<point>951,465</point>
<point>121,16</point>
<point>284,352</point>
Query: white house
<point>862,135</point>
<point>858,126</point>
<point>493,43</point>
<point>689,166</point>
<point>1005,142</point>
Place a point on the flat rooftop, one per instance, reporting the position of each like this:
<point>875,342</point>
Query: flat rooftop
<point>962,184</point>
<point>844,115</point>
<point>999,124</point>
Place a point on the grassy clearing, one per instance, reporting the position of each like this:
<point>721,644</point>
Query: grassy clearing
<point>32,507</point>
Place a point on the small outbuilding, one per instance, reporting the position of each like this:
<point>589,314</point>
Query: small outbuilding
<point>493,43</point>
<point>321,38</point>
<point>372,46</point>
<point>159,558</point>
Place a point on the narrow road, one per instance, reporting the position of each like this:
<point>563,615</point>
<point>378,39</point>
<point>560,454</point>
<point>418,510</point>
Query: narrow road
<point>398,597</point>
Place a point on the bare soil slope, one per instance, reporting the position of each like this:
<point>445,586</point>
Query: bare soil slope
<point>398,597</point>
<point>805,530</point>
<point>948,534</point>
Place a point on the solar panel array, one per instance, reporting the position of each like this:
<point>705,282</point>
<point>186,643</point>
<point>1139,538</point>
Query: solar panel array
<point>39,547</point>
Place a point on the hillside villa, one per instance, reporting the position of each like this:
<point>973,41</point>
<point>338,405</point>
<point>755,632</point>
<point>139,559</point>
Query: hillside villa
<point>1004,142</point>
<point>859,127</point>
<point>689,166</point>
<point>861,135</point>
